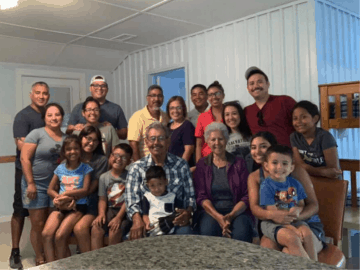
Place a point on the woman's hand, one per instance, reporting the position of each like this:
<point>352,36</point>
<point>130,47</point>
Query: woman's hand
<point>331,172</point>
<point>283,217</point>
<point>31,191</point>
<point>224,225</point>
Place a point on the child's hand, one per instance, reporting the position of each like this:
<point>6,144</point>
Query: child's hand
<point>148,227</point>
<point>99,221</point>
<point>114,224</point>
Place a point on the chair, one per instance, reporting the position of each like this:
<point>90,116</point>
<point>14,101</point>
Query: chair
<point>331,195</point>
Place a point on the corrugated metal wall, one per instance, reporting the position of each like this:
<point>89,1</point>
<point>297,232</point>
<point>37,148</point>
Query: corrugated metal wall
<point>338,60</point>
<point>280,41</point>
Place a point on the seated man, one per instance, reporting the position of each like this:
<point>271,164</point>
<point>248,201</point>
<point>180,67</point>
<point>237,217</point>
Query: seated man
<point>177,172</point>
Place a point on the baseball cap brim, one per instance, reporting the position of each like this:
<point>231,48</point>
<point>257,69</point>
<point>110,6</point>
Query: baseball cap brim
<point>251,70</point>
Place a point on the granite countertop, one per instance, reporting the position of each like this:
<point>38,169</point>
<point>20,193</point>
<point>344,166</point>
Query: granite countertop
<point>173,252</point>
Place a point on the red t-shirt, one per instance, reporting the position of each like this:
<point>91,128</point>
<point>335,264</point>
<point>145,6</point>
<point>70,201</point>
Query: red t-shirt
<point>276,115</point>
<point>205,119</point>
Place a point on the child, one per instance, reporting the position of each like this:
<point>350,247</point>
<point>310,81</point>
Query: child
<point>74,179</point>
<point>112,218</point>
<point>314,149</point>
<point>158,203</point>
<point>282,192</point>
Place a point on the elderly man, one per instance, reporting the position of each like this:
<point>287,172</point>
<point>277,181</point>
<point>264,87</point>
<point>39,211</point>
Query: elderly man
<point>199,99</point>
<point>25,121</point>
<point>268,113</point>
<point>178,176</point>
<point>141,119</point>
<point>110,113</point>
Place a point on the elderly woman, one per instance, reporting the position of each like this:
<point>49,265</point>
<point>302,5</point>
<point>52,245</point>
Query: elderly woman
<point>39,158</point>
<point>220,181</point>
<point>259,144</point>
<point>91,113</point>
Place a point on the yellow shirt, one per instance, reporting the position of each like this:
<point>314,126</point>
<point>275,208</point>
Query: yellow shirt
<point>138,124</point>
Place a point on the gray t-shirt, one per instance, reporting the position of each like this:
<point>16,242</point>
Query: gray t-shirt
<point>238,145</point>
<point>313,154</point>
<point>25,121</point>
<point>109,138</point>
<point>113,188</point>
<point>220,190</point>
<point>109,112</point>
<point>193,116</point>
<point>46,157</point>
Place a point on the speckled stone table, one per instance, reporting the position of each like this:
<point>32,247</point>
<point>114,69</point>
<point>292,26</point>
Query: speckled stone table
<point>190,252</point>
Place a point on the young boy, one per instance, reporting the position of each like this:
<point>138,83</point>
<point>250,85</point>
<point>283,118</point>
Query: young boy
<point>282,192</point>
<point>112,218</point>
<point>158,203</point>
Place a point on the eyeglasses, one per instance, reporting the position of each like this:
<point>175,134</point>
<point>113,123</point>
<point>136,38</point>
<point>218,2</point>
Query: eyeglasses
<point>102,86</point>
<point>92,110</point>
<point>217,94</point>
<point>156,96</point>
<point>261,119</point>
<point>159,138</point>
<point>123,158</point>
<point>178,108</point>
<point>89,139</point>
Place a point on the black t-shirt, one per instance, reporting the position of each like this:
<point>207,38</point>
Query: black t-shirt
<point>181,136</point>
<point>25,121</point>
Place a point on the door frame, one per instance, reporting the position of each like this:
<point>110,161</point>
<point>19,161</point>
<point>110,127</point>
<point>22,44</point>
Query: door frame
<point>183,65</point>
<point>20,73</point>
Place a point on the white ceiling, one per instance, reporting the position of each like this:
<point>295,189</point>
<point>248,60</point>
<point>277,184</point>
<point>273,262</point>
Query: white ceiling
<point>83,33</point>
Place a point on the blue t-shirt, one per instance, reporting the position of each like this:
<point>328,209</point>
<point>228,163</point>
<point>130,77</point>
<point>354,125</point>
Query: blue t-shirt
<point>282,194</point>
<point>72,179</point>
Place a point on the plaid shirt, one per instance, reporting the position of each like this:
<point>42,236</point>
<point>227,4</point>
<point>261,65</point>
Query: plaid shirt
<point>177,172</point>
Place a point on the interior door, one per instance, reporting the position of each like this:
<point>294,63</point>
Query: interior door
<point>66,92</point>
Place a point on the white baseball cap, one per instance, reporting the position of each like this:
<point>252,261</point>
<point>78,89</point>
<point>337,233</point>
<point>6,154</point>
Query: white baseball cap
<point>97,78</point>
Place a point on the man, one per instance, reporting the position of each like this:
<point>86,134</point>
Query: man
<point>110,113</point>
<point>199,99</point>
<point>25,121</point>
<point>268,113</point>
<point>141,119</point>
<point>178,176</point>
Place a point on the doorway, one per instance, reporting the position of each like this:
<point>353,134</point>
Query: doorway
<point>173,83</point>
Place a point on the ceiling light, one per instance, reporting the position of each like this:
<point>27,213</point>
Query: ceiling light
<point>6,4</point>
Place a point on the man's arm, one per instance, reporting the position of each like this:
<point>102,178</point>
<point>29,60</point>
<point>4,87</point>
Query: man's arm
<point>122,133</point>
<point>135,147</point>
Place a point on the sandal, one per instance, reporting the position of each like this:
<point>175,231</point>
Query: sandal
<point>37,263</point>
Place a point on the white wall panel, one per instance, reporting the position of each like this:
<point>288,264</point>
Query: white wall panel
<point>280,41</point>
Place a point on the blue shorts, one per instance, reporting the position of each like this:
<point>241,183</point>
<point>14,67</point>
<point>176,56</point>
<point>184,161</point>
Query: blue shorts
<point>42,199</point>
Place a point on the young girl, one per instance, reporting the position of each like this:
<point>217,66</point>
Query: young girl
<point>240,134</point>
<point>314,148</point>
<point>74,179</point>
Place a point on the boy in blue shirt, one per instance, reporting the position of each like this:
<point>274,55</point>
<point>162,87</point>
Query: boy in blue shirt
<point>282,192</point>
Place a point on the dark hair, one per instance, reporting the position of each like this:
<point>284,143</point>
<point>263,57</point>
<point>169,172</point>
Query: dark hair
<point>125,147</point>
<point>155,86</point>
<point>52,104</point>
<point>243,127</point>
<point>279,149</point>
<point>87,130</point>
<point>155,172</point>
<point>88,100</point>
<point>41,84</point>
<point>71,138</point>
<point>310,107</point>
<point>265,135</point>
<point>182,102</point>
<point>217,85</point>
<point>257,72</point>
<point>203,87</point>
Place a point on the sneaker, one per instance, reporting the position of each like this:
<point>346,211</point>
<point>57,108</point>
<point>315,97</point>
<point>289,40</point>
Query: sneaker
<point>15,261</point>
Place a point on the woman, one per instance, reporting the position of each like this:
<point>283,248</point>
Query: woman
<point>216,97</point>
<point>94,156</point>
<point>240,134</point>
<point>259,144</point>
<point>182,131</point>
<point>221,190</point>
<point>39,158</point>
<point>91,113</point>
<point>314,149</point>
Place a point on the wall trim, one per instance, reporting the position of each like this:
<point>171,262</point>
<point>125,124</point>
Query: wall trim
<point>4,219</point>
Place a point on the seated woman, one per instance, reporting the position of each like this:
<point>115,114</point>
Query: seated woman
<point>314,149</point>
<point>240,133</point>
<point>259,144</point>
<point>91,113</point>
<point>182,131</point>
<point>221,190</point>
